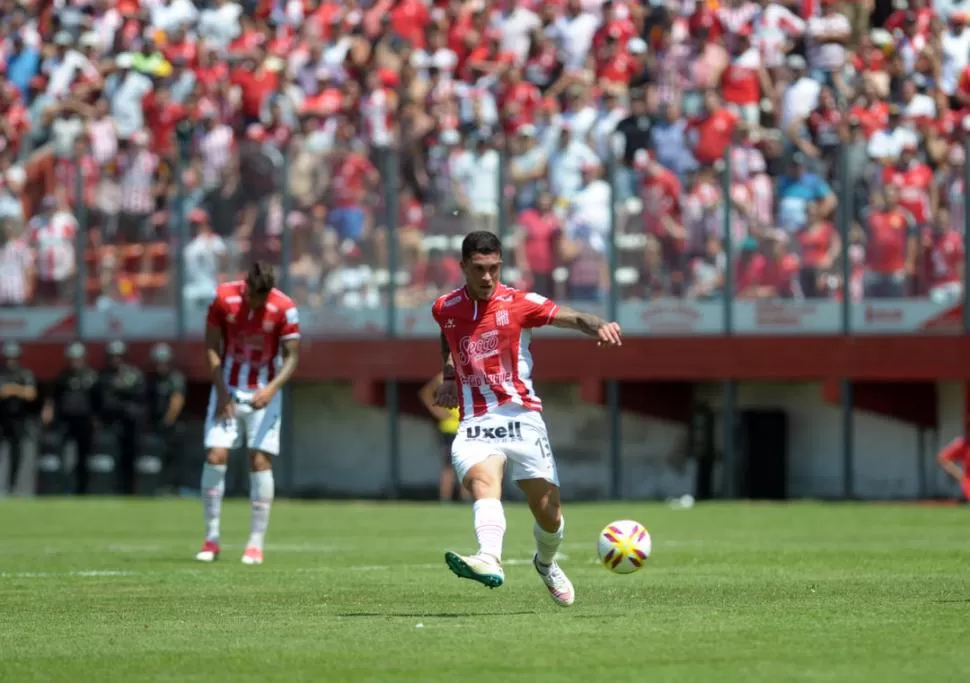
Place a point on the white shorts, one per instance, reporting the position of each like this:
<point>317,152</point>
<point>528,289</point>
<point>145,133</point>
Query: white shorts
<point>258,429</point>
<point>513,431</point>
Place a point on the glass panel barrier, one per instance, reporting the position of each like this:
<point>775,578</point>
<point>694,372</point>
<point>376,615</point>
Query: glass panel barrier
<point>908,241</point>
<point>134,209</point>
<point>43,236</point>
<point>670,256</point>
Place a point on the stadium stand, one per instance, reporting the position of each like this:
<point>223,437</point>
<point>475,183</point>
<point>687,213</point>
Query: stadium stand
<point>137,133</point>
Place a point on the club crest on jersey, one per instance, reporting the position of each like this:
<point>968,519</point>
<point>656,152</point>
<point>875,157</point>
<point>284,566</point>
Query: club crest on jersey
<point>485,346</point>
<point>502,317</point>
<point>268,326</point>
<point>510,432</point>
<point>231,318</point>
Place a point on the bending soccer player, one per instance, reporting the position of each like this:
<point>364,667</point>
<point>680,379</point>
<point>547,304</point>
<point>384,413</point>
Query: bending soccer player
<point>248,326</point>
<point>485,334</point>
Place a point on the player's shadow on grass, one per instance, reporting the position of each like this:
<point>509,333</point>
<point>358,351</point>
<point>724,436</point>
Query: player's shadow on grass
<point>432,615</point>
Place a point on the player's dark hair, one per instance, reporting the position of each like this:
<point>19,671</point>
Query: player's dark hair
<point>480,242</point>
<point>261,279</point>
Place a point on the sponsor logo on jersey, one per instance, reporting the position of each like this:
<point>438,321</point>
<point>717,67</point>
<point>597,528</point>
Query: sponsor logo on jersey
<point>512,431</point>
<point>450,324</point>
<point>489,380</point>
<point>486,346</point>
<point>268,326</point>
<point>292,316</point>
<point>504,297</point>
<point>452,301</point>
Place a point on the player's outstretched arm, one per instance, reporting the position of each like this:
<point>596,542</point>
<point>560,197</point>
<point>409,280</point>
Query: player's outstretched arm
<point>606,333</point>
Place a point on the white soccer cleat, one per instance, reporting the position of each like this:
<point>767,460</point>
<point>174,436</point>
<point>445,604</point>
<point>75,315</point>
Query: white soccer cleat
<point>560,587</point>
<point>252,555</point>
<point>484,569</point>
<point>209,552</point>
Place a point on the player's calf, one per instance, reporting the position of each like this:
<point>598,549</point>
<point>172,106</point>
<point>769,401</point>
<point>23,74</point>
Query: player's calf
<point>262,491</point>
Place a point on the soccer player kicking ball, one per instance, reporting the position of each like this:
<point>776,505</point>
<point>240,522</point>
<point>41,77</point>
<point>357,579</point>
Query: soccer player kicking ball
<point>485,334</point>
<point>248,325</point>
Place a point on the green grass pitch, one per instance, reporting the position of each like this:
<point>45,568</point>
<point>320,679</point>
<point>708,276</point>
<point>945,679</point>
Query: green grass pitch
<point>107,590</point>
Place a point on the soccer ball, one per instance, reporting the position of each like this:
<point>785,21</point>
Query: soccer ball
<point>624,546</point>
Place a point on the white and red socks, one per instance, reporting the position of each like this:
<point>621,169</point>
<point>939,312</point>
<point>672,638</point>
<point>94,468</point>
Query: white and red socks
<point>489,526</point>
<point>262,489</point>
<point>213,489</point>
<point>547,543</point>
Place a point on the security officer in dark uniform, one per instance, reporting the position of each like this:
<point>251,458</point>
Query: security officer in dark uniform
<point>72,408</point>
<point>123,408</point>
<point>18,390</point>
<point>166,398</point>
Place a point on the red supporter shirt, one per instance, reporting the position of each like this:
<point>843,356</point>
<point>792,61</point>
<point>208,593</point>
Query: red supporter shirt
<point>256,86</point>
<point>661,198</point>
<point>489,343</point>
<point>945,258</point>
<point>914,188</point>
<point>815,244</point>
<point>958,451</point>
<point>714,135</point>
<point>889,232</point>
<point>349,180</point>
<point>251,338</point>
<point>542,232</point>
<point>762,271</point>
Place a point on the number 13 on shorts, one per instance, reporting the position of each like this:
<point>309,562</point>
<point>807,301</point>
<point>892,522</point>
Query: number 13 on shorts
<point>542,444</point>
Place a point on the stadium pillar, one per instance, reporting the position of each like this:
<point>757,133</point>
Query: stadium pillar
<point>844,218</point>
<point>729,391</point>
<point>613,403</point>
<point>80,247</point>
<point>288,474</point>
<point>390,164</point>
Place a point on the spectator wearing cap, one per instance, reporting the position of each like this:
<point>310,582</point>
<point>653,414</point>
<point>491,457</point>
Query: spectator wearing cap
<point>70,409</point>
<point>566,164</point>
<point>477,179</point>
<point>18,391</point>
<point>127,88</point>
<point>122,408</point>
<point>527,167</point>
<point>796,190</point>
<point>891,246</point>
<point>205,259</point>
<point>955,57</point>
<point>772,272</point>
<point>801,96</point>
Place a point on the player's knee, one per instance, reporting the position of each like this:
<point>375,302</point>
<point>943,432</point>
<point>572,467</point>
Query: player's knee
<point>217,456</point>
<point>260,461</point>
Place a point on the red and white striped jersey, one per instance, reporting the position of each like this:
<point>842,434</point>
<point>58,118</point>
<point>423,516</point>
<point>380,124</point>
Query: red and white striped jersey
<point>53,238</point>
<point>16,261</point>
<point>489,343</point>
<point>251,338</point>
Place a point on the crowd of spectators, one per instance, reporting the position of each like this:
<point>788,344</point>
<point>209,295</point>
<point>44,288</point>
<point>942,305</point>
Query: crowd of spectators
<point>141,132</point>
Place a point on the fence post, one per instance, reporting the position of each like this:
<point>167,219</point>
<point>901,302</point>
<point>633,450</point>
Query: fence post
<point>81,247</point>
<point>729,391</point>
<point>613,398</point>
<point>391,395</point>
